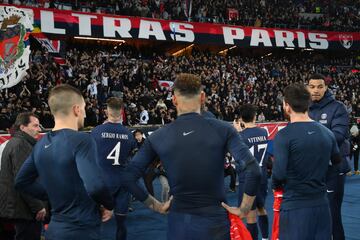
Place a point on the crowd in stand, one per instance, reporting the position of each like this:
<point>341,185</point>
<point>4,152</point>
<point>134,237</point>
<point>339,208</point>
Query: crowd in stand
<point>337,15</point>
<point>229,81</point>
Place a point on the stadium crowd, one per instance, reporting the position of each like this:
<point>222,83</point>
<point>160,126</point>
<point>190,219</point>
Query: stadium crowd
<point>339,15</point>
<point>229,81</point>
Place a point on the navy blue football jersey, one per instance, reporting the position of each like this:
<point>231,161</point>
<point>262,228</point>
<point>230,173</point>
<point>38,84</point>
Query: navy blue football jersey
<point>257,140</point>
<point>115,144</point>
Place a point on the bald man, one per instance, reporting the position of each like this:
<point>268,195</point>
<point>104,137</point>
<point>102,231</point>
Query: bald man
<point>62,169</point>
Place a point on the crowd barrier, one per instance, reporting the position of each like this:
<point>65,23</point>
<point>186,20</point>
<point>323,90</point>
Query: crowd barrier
<point>272,128</point>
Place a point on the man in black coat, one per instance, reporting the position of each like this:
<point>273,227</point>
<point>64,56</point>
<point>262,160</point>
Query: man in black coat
<point>331,113</point>
<point>25,211</point>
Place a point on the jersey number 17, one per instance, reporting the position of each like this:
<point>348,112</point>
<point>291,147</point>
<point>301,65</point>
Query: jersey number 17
<point>260,150</point>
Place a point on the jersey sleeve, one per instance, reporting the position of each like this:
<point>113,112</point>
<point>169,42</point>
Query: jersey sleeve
<point>340,124</point>
<point>26,180</point>
<point>240,152</point>
<point>85,157</point>
<point>136,169</point>
<point>335,152</point>
<point>281,157</point>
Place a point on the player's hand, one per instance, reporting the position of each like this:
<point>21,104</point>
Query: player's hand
<point>237,125</point>
<point>234,210</point>
<point>40,215</point>
<point>166,206</point>
<point>106,215</point>
<point>157,206</point>
<point>163,208</point>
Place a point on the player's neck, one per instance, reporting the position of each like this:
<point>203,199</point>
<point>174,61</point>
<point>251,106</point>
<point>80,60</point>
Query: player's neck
<point>300,117</point>
<point>65,124</point>
<point>187,109</point>
<point>114,120</point>
<point>249,125</point>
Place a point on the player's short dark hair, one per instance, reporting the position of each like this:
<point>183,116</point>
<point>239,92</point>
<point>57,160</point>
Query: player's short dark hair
<point>298,97</point>
<point>248,112</point>
<point>115,103</point>
<point>187,84</point>
<point>137,131</point>
<point>23,119</point>
<point>317,76</point>
<point>62,98</point>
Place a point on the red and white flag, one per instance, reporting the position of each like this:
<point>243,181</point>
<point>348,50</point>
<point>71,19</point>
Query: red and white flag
<point>167,85</point>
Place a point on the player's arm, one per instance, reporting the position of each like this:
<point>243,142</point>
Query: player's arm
<point>281,155</point>
<point>340,124</point>
<point>134,148</point>
<point>335,152</point>
<point>26,183</point>
<point>136,169</point>
<point>85,158</point>
<point>240,152</point>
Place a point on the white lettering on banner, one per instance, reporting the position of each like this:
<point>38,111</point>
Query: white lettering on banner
<point>318,40</point>
<point>284,37</point>
<point>84,23</point>
<point>231,33</point>
<point>120,27</point>
<point>185,35</point>
<point>301,40</point>
<point>260,36</point>
<point>48,23</point>
<point>110,28</point>
<point>151,28</point>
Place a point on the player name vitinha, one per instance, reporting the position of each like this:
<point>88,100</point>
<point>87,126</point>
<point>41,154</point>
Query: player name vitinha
<point>114,135</point>
<point>257,139</point>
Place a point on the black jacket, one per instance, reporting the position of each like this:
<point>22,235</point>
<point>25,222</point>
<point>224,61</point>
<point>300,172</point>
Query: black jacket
<point>14,205</point>
<point>333,115</point>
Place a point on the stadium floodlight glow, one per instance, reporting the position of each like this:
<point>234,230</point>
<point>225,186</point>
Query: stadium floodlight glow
<point>175,54</point>
<point>226,50</point>
<point>289,48</point>
<point>101,39</point>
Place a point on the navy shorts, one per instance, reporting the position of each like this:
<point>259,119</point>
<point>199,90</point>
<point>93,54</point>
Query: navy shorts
<point>66,231</point>
<point>122,199</point>
<point>312,223</point>
<point>211,225</point>
<point>260,195</point>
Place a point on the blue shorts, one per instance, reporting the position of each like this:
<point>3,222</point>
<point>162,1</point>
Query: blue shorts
<point>260,195</point>
<point>66,231</point>
<point>305,223</point>
<point>212,225</point>
<point>122,199</point>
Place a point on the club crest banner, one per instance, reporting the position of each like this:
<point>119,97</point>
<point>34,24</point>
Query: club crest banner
<point>15,28</point>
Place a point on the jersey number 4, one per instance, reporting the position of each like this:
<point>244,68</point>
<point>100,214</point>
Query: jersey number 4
<point>261,149</point>
<point>115,154</point>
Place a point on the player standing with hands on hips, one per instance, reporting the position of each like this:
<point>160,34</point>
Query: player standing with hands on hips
<point>192,150</point>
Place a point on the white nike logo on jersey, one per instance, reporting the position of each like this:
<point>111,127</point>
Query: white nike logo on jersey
<point>329,191</point>
<point>311,132</point>
<point>46,146</point>
<point>187,133</point>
